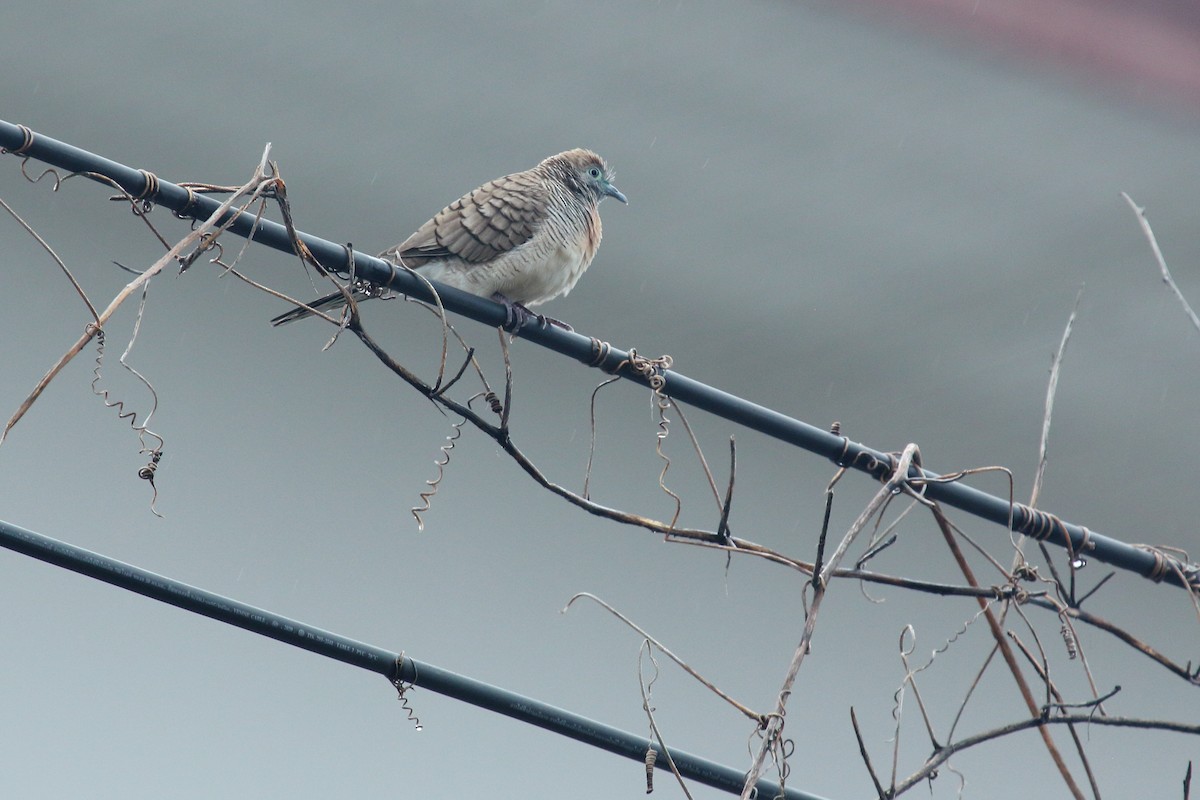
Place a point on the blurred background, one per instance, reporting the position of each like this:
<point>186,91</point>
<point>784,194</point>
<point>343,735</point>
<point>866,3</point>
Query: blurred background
<point>877,213</point>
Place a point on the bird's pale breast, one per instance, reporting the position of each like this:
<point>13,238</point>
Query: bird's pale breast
<point>534,273</point>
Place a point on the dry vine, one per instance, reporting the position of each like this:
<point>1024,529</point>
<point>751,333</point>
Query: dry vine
<point>1013,589</point>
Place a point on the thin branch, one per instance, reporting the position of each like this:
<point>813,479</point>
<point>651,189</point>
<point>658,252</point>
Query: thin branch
<point>170,257</point>
<point>1162,262</point>
<point>962,707</point>
<point>654,728</point>
<point>723,525</point>
<point>899,477</point>
<point>1053,690</point>
<point>747,711</point>
<point>862,749</point>
<point>587,474</point>
<point>508,383</point>
<point>712,482</point>
<point>1191,676</point>
<point>61,264</point>
<point>1041,723</point>
<point>1006,652</point>
<point>1051,390</point>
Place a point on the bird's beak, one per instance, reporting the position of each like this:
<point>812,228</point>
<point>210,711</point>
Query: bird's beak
<point>613,191</point>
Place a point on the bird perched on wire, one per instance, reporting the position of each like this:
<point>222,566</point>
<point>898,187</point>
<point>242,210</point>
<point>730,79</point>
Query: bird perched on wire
<point>519,240</point>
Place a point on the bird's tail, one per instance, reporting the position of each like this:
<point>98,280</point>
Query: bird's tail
<point>328,303</point>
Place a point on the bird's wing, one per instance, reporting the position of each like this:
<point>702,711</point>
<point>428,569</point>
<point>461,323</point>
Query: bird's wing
<point>480,226</point>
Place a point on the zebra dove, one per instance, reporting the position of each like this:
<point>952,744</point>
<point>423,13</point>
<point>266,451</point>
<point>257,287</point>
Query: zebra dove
<point>519,240</point>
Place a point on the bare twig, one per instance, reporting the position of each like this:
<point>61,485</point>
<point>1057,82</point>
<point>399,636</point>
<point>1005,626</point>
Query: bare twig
<point>910,677</point>
<point>643,686</point>
<point>1053,691</point>
<point>723,525</point>
<point>1041,723</point>
<point>753,715</point>
<point>61,264</point>
<point>508,383</point>
<point>1051,389</point>
<point>712,482</point>
<point>979,673</point>
<point>818,562</point>
<point>1006,652</point>
<point>1089,618</point>
<point>171,256</point>
<point>587,475</point>
<point>862,749</point>
<point>898,479</point>
<point>911,673</point>
<point>1162,262</point>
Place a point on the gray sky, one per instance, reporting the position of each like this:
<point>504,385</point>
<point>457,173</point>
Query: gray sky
<point>838,214</point>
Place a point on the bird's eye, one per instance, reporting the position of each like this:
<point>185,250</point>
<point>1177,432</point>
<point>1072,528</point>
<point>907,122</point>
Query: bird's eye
<point>594,172</point>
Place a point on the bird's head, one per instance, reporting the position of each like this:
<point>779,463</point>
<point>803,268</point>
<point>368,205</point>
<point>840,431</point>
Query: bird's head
<point>587,174</point>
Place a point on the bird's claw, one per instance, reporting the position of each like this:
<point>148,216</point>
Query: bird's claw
<point>516,315</point>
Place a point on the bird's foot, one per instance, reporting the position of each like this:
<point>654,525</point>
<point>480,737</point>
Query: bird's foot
<point>516,315</point>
